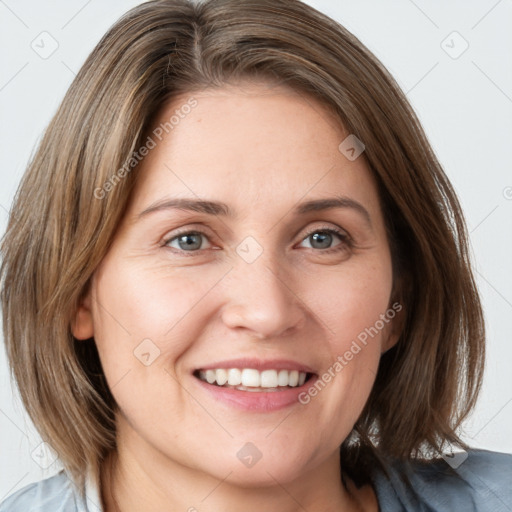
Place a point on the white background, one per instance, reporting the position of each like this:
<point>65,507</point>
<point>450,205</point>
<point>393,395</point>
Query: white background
<point>464,103</point>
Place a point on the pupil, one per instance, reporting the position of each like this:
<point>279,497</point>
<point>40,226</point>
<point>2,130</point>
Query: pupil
<point>193,241</point>
<point>189,242</point>
<point>322,238</point>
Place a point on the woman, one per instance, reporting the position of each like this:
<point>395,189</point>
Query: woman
<point>236,277</point>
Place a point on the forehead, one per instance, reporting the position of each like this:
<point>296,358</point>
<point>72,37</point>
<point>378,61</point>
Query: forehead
<point>251,146</point>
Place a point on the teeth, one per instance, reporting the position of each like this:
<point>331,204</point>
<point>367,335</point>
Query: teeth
<point>282,378</point>
<point>249,378</point>
<point>234,377</point>
<point>269,379</point>
<point>221,377</point>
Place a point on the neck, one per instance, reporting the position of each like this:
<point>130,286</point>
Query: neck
<point>134,480</point>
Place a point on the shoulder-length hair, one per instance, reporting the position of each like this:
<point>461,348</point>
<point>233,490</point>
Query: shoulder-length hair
<point>78,183</point>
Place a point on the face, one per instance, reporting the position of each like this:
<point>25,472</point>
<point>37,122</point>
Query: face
<point>286,297</point>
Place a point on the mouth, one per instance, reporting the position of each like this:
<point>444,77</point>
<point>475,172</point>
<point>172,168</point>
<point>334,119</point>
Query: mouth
<point>254,380</point>
<point>255,385</point>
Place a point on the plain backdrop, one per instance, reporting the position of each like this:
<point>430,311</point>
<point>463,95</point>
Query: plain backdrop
<point>452,58</point>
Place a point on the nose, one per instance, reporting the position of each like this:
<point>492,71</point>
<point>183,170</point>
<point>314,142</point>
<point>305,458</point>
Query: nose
<point>261,302</point>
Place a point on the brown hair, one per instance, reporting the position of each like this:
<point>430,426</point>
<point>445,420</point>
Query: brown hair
<point>59,230</point>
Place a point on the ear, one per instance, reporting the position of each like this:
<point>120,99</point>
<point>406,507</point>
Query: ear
<point>396,311</point>
<point>82,326</point>
<point>395,327</point>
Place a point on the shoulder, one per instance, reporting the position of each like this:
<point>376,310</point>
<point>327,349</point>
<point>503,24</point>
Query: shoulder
<point>478,480</point>
<point>53,494</point>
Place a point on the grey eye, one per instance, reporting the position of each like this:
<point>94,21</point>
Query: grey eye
<point>323,239</point>
<point>187,241</point>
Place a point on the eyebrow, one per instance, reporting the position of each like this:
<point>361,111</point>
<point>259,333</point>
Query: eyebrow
<point>222,209</point>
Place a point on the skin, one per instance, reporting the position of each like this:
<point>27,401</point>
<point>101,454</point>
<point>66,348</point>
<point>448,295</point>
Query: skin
<point>261,151</point>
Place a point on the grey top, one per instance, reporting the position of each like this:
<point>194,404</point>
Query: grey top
<point>480,483</point>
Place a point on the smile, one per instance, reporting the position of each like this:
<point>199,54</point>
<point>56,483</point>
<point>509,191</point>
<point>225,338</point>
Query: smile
<point>250,379</point>
<point>254,385</point>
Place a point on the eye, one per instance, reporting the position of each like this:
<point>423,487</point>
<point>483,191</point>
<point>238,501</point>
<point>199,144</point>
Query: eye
<point>188,241</point>
<point>322,238</point>
<point>319,238</point>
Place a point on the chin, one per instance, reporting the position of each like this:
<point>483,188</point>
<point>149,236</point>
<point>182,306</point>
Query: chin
<point>253,469</point>
<point>263,475</point>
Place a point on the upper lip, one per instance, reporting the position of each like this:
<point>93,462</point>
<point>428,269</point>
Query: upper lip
<point>259,364</point>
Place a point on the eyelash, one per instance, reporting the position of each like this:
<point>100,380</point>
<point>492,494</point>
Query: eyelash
<point>346,241</point>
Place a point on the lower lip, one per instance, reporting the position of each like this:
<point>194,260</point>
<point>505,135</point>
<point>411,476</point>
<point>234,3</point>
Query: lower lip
<point>259,401</point>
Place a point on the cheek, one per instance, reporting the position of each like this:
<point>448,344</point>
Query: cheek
<point>134,304</point>
<point>351,300</point>
<point>353,307</point>
<point>145,319</point>
<point>139,328</point>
